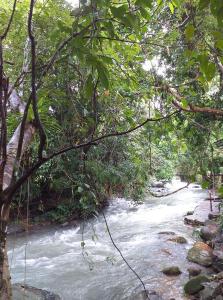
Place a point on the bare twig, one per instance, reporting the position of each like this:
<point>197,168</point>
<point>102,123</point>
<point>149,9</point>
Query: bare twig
<point>123,258</point>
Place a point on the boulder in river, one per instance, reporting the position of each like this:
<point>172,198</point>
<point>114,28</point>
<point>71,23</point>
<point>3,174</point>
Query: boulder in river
<point>21,292</point>
<point>142,296</point>
<point>218,260</point>
<point>201,254</point>
<point>194,271</point>
<point>158,184</point>
<point>212,291</point>
<point>195,284</point>
<point>209,231</point>
<point>178,239</point>
<point>167,232</point>
<point>172,271</point>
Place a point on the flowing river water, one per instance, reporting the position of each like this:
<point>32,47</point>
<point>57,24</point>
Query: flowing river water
<point>54,259</point>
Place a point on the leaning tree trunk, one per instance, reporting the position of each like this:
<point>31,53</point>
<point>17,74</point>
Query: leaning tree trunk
<point>5,285</point>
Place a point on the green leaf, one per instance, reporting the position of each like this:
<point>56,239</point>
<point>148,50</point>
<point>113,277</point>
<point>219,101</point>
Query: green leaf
<point>210,71</point>
<point>119,11</point>
<point>89,86</point>
<point>189,32</point>
<point>205,185</point>
<point>171,7</point>
<point>103,74</point>
<point>220,191</point>
<point>219,44</point>
<point>184,103</point>
<point>144,3</point>
<point>204,3</point>
<point>145,14</point>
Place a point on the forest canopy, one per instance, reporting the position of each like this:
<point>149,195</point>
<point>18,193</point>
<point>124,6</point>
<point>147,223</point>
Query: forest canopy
<point>103,97</point>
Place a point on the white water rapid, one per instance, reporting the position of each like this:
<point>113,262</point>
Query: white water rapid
<point>55,260</point>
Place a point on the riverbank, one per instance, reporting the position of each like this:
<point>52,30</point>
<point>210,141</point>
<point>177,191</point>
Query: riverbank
<point>206,279</point>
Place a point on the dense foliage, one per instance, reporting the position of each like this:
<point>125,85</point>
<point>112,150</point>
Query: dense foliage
<point>126,61</point>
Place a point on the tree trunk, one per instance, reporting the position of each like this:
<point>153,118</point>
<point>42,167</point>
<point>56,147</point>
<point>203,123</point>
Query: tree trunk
<point>5,284</point>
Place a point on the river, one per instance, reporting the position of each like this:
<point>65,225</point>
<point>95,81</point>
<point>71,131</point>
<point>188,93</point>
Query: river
<point>55,259</point>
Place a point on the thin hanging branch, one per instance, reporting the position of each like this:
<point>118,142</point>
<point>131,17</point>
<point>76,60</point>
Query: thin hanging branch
<point>38,123</point>
<point>123,258</point>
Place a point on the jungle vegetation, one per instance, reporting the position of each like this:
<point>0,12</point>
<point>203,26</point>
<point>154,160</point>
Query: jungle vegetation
<point>101,98</point>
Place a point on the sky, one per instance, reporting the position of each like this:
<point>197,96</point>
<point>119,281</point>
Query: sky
<point>73,2</point>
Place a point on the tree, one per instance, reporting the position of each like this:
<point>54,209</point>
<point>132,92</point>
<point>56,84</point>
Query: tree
<point>92,60</point>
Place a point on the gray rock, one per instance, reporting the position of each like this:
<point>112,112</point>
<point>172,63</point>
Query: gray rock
<point>194,271</point>
<point>141,296</point>
<point>218,260</point>
<point>209,232</point>
<point>15,229</point>
<point>213,216</point>
<point>178,239</point>
<point>190,213</point>
<point>158,184</point>
<point>195,284</point>
<point>167,232</point>
<point>212,291</point>
<point>172,271</point>
<point>26,292</point>
<point>201,254</point>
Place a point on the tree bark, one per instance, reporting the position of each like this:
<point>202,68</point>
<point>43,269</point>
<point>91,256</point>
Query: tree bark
<point>10,167</point>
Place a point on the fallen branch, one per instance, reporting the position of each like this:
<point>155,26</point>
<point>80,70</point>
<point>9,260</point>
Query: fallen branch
<point>168,194</point>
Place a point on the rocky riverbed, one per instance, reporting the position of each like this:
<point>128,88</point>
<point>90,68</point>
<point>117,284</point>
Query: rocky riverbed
<point>207,251</point>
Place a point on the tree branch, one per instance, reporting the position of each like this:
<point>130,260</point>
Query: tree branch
<point>39,125</point>
<point>168,194</point>
<point>192,108</point>
<point>11,190</point>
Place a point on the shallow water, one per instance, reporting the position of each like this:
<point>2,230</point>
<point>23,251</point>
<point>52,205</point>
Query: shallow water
<point>56,261</point>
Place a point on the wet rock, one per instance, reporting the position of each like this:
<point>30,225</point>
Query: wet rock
<point>209,232</point>
<point>212,291</point>
<point>172,271</point>
<point>178,239</point>
<point>195,284</point>
<point>218,260</point>
<point>211,244</point>
<point>21,292</point>
<point>194,271</point>
<point>167,232</point>
<point>66,224</point>
<point>133,209</point>
<point>189,213</point>
<point>219,276</point>
<point>213,216</point>
<point>15,229</point>
<point>191,220</point>
<point>201,213</point>
<point>201,254</point>
<point>158,184</point>
<point>142,296</point>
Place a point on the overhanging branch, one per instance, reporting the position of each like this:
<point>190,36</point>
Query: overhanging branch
<point>12,189</point>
